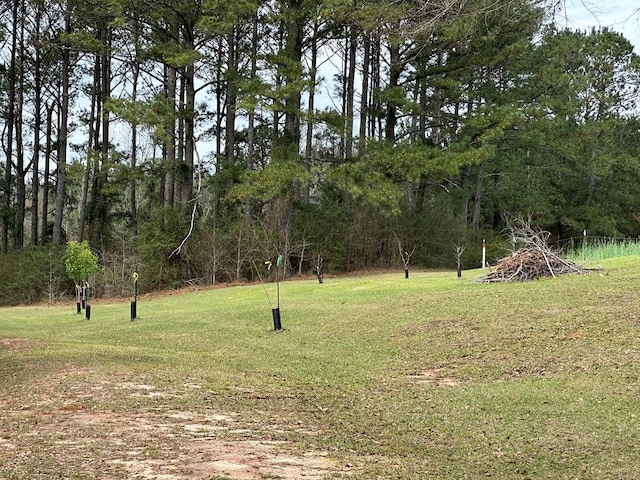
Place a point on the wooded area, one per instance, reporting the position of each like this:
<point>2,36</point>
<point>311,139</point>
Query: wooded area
<point>196,139</point>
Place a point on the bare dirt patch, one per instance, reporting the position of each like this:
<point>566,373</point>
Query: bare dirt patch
<point>179,445</point>
<point>68,421</point>
<point>433,376</point>
<point>16,344</point>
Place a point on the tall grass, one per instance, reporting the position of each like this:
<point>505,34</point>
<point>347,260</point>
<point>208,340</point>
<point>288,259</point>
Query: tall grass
<point>603,248</point>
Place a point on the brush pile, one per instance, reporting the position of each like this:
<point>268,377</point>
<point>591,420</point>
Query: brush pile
<point>532,261</point>
<point>530,264</point>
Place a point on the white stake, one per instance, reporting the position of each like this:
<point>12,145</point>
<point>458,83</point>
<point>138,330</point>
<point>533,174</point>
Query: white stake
<point>484,253</point>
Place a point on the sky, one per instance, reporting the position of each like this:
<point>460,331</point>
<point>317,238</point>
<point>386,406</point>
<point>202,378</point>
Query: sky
<point>621,16</point>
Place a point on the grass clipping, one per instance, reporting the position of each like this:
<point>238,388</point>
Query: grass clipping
<point>532,261</point>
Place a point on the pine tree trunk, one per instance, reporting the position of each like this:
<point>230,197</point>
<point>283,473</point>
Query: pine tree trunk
<point>92,148</point>
<point>61,169</point>
<point>308,150</point>
<point>10,122</point>
<point>44,227</point>
<point>105,118</point>
<point>232,94</point>
<point>364,99</point>
<point>395,69</point>
<point>21,193</point>
<point>170,142</point>
<point>477,201</point>
<point>133,207</point>
<point>350,94</point>
<point>37,118</point>
<point>188,138</point>
<point>249,162</point>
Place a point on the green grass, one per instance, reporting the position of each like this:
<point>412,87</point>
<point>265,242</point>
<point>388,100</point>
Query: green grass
<point>426,377</point>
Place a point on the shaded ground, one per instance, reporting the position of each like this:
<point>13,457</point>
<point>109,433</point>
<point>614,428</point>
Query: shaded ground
<point>66,426</point>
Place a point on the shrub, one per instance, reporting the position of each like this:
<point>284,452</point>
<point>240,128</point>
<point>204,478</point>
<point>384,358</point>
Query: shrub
<point>33,274</point>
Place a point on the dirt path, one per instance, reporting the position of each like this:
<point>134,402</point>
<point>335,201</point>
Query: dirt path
<point>67,425</point>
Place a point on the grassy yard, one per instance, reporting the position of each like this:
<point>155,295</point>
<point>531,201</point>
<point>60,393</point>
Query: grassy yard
<point>373,377</point>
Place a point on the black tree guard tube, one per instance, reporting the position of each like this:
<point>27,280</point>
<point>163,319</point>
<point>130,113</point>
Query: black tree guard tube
<point>79,304</point>
<point>134,303</point>
<point>277,325</point>
<point>87,307</point>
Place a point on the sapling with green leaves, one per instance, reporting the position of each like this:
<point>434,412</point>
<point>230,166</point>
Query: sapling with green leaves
<point>81,265</point>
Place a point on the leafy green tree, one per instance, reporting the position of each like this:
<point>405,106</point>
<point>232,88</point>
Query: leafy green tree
<point>80,262</point>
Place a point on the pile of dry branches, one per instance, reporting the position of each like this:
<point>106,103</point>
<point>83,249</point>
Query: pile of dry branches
<point>530,264</point>
<point>534,260</point>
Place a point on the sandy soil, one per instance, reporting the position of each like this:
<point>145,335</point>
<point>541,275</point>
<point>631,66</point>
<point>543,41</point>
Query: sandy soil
<point>63,423</point>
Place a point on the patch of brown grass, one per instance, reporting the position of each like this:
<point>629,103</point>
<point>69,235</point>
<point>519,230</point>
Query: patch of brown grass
<point>16,344</point>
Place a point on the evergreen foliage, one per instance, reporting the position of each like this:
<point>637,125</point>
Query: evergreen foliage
<point>331,129</point>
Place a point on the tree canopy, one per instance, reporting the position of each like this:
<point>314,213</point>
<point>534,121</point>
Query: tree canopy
<point>310,128</point>
<point>81,263</point>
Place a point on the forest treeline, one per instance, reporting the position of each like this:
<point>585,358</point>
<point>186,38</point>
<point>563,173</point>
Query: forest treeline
<point>196,139</point>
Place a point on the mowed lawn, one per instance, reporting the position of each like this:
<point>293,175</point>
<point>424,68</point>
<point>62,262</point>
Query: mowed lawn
<point>373,376</point>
